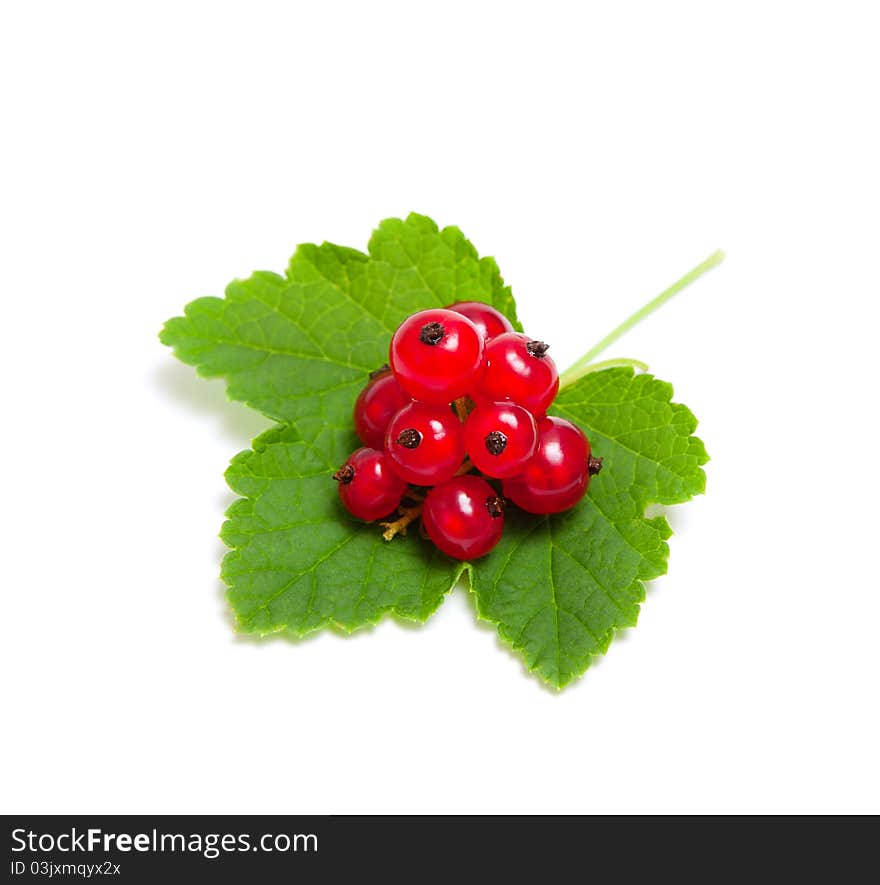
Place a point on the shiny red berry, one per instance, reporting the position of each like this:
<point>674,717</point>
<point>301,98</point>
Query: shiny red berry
<point>376,406</point>
<point>425,443</point>
<point>437,355</point>
<point>519,369</point>
<point>500,438</point>
<point>489,322</point>
<point>368,487</point>
<point>464,517</point>
<point>557,476</point>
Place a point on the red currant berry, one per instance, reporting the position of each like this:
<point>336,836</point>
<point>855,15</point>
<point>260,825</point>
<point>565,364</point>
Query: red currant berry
<point>437,355</point>
<point>519,369</point>
<point>500,438</point>
<point>558,475</point>
<point>464,517</point>
<point>489,322</point>
<point>425,443</point>
<point>376,406</point>
<point>368,487</point>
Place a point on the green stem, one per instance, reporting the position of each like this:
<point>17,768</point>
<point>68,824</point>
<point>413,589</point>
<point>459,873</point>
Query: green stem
<point>577,370</point>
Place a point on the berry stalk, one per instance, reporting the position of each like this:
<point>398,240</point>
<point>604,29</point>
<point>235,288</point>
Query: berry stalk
<point>461,409</point>
<point>583,365</point>
<point>410,513</point>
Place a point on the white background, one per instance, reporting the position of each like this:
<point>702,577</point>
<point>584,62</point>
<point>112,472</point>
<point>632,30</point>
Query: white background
<point>151,152</point>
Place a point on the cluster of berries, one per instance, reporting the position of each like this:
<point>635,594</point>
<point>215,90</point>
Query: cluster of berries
<point>462,392</point>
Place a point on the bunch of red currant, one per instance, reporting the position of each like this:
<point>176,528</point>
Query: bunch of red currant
<point>463,392</point>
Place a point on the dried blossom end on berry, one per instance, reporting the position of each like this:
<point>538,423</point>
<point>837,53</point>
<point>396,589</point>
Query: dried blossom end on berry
<point>495,506</point>
<point>409,438</point>
<point>432,333</point>
<point>496,442</point>
<point>344,475</point>
<point>537,349</point>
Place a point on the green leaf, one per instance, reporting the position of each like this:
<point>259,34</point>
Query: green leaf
<point>559,587</point>
<point>299,562</point>
<point>299,348</point>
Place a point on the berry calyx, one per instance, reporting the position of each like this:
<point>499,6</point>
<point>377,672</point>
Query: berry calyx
<point>490,323</point>
<point>518,368</point>
<point>537,349</point>
<point>368,487</point>
<point>345,474</point>
<point>425,443</point>
<point>496,442</point>
<point>495,506</point>
<point>558,474</point>
<point>464,517</point>
<point>500,438</point>
<point>376,405</point>
<point>409,438</point>
<point>432,333</point>
<point>437,355</point>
